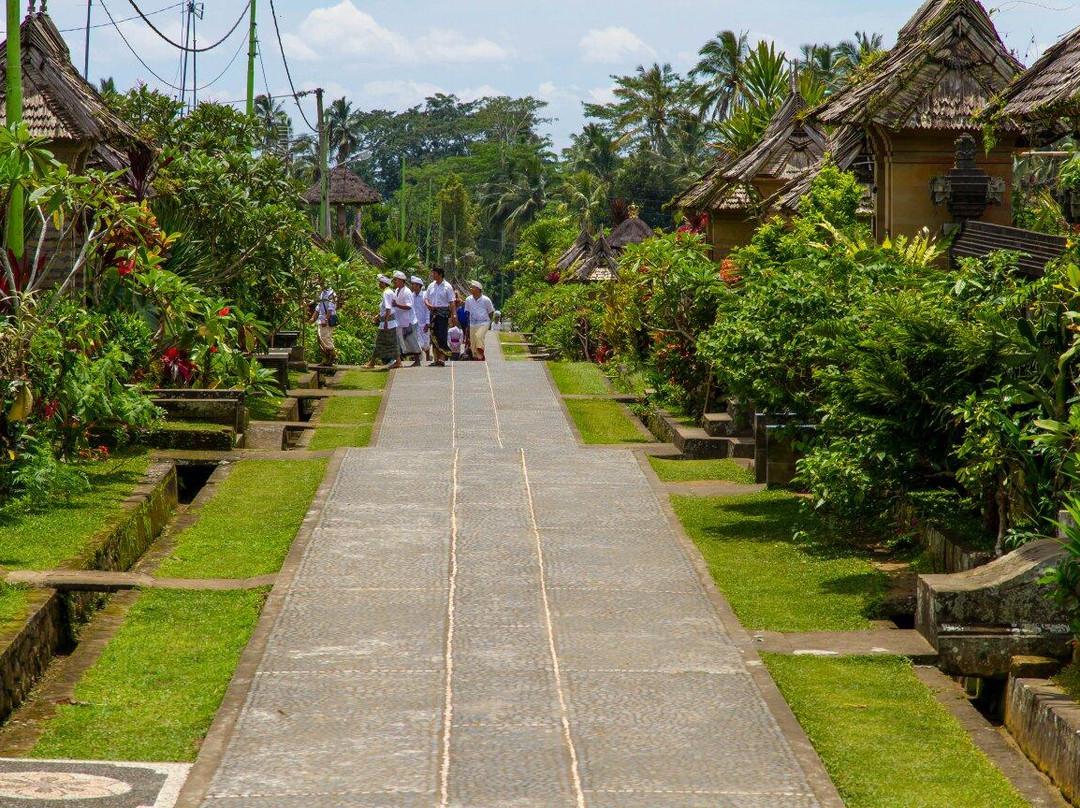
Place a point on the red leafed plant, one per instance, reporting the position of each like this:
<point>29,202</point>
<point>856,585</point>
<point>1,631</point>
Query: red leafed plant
<point>177,366</point>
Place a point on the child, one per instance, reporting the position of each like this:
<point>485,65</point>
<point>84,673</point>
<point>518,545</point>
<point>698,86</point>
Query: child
<point>455,335</point>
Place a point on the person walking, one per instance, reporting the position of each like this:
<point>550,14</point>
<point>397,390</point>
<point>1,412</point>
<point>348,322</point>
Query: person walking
<point>440,302</point>
<point>387,348</point>
<point>403,317</point>
<point>325,318</point>
<point>480,310</point>
<point>462,315</point>
<point>421,316</point>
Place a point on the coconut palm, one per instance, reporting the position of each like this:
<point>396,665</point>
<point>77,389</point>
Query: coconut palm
<point>275,123</point>
<point>515,198</point>
<point>342,130</point>
<point>721,65</point>
<point>585,196</point>
<point>594,150</point>
<point>865,49</point>
<point>647,104</point>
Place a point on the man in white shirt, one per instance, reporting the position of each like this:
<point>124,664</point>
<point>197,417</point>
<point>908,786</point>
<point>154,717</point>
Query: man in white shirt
<point>387,348</point>
<point>421,315</point>
<point>440,302</point>
<point>403,317</point>
<point>480,310</point>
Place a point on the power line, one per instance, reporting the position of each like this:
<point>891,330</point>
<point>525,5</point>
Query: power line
<point>126,19</point>
<point>288,73</point>
<point>185,48</point>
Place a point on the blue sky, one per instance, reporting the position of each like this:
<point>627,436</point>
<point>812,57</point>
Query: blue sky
<point>390,55</point>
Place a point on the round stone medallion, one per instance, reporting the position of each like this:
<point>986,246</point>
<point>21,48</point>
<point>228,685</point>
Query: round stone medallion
<point>59,786</point>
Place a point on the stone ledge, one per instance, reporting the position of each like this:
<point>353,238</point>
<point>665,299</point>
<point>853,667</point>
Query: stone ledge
<point>1045,721</point>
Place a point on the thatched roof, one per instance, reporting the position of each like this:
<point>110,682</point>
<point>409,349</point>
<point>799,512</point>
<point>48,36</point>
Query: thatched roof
<point>369,255</point>
<point>578,250</point>
<point>58,103</point>
<point>345,189</point>
<point>948,63</point>
<point>787,149</point>
<point>844,148</point>
<point>631,231</point>
<point>1050,89</point>
<point>601,264</point>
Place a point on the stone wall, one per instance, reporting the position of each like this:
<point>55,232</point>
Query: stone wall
<point>1045,721</point>
<point>50,627</point>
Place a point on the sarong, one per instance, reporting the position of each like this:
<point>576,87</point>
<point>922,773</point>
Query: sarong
<point>476,336</point>
<point>440,324</point>
<point>386,345</point>
<point>326,338</point>
<point>408,340</point>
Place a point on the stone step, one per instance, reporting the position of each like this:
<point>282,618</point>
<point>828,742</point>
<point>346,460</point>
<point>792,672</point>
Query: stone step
<point>724,425</point>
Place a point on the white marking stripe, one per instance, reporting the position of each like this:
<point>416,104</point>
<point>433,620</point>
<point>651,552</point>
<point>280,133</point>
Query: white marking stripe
<point>448,708</point>
<point>575,772</point>
<point>494,407</point>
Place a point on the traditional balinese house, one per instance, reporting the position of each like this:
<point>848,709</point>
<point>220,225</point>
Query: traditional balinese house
<point>914,105</point>
<point>346,190</point>
<point>733,192</point>
<point>1049,91</point>
<point>597,259</point>
<point>69,113</point>
<point>848,147</point>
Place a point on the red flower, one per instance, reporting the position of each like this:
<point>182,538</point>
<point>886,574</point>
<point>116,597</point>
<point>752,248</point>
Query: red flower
<point>213,349</point>
<point>223,312</point>
<point>50,409</point>
<point>125,266</point>
<point>729,272</point>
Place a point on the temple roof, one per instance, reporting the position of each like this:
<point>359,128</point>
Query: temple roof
<point>1050,89</point>
<point>345,189</point>
<point>948,63</point>
<point>58,103</point>
<point>787,149</point>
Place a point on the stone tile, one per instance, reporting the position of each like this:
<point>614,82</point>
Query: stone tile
<point>501,647</point>
<point>489,695</point>
<point>57,783</point>
<point>625,799</point>
<point>329,800</point>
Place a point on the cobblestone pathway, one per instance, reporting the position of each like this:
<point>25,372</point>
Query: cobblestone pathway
<point>491,615</point>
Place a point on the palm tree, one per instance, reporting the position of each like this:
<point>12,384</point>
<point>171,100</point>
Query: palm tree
<point>585,196</point>
<point>517,197</point>
<point>766,77</point>
<point>826,63</point>
<point>647,104</point>
<point>277,128</point>
<point>594,150</point>
<point>864,50</point>
<point>342,131</point>
<point>721,65</point>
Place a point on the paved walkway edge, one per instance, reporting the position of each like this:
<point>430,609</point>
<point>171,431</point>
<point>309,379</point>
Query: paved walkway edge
<point>804,751</point>
<point>213,747</point>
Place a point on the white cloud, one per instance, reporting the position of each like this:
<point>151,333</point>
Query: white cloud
<point>613,45</point>
<point>397,93</point>
<point>602,95</point>
<point>476,93</point>
<point>345,32</point>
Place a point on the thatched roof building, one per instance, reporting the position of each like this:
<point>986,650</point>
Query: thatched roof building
<point>346,190</point>
<point>58,104</point>
<point>911,105</point>
<point>848,148</point>
<point>1049,90</point>
<point>597,259</point>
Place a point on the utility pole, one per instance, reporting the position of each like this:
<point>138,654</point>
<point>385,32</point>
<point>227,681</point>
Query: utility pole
<point>14,111</point>
<point>252,45</point>
<point>86,59</point>
<point>324,172</point>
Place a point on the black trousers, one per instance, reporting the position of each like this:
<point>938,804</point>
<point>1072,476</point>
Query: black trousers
<point>440,325</point>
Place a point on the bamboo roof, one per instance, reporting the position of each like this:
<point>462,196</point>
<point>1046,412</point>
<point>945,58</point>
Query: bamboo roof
<point>1050,89</point>
<point>844,148</point>
<point>345,189</point>
<point>948,63</point>
<point>601,264</point>
<point>578,250</point>
<point>58,103</point>
<point>597,259</point>
<point>631,231</point>
<point>788,148</point>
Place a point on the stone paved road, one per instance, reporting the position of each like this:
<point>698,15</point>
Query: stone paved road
<point>491,615</point>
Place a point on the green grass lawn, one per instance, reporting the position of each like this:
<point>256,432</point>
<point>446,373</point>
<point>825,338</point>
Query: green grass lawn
<point>361,410</point>
<point>777,576</point>
<point>42,540</point>
<point>514,350</point>
<point>246,529</point>
<point>579,379</point>
<point>682,471</point>
<point>295,377</point>
<point>510,338</point>
<point>153,693</point>
<point>340,437</point>
<point>601,421</point>
<point>363,380</point>
<point>884,740</point>
<point>264,408</point>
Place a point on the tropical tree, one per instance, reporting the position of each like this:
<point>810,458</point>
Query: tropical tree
<point>648,104</point>
<point>275,123</point>
<point>721,66</point>
<point>521,193</point>
<point>585,196</point>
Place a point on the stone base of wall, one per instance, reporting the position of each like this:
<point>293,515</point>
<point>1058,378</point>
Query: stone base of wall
<point>1045,721</point>
<point>53,619</point>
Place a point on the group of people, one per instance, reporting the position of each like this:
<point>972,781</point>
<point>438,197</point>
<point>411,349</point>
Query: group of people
<point>433,322</point>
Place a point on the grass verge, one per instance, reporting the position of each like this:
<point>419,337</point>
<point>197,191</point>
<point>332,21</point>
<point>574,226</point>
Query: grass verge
<point>153,693</point>
<point>360,410</point>
<point>264,408</point>
<point>683,471</point>
<point>363,380</point>
<point>579,379</point>
<point>41,540</point>
<point>246,529</point>
<point>777,576</point>
<point>514,350</point>
<point>884,740</point>
<point>201,426</point>
<point>1068,678</point>
<point>602,421</point>
<point>340,437</point>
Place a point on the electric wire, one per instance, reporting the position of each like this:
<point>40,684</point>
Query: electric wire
<point>126,19</point>
<point>288,73</point>
<point>185,48</point>
<point>149,69</point>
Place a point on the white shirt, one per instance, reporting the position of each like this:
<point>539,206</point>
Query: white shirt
<point>421,315</point>
<point>403,297</point>
<point>440,295</point>
<point>480,310</point>
<point>384,306</point>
